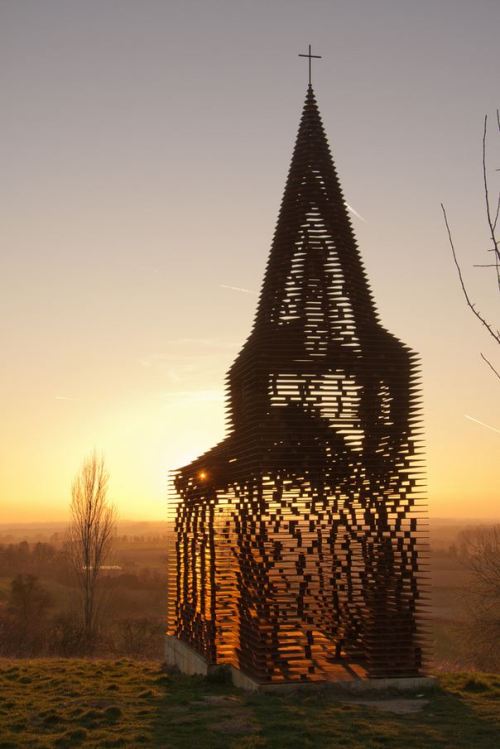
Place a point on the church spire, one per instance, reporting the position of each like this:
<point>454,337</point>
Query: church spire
<point>313,234</point>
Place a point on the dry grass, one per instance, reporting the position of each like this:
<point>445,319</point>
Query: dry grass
<point>85,703</point>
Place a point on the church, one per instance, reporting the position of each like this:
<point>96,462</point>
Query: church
<point>297,549</point>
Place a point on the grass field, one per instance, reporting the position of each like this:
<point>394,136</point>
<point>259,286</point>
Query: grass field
<point>125,703</point>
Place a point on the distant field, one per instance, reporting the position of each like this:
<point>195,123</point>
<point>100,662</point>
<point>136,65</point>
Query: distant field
<point>142,547</point>
<point>449,583</point>
<point>125,703</point>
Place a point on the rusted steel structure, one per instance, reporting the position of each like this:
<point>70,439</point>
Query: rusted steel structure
<point>296,544</point>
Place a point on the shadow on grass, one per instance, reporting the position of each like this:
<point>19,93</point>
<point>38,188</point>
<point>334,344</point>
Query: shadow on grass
<point>464,712</point>
<point>449,719</point>
<point>195,712</point>
<point>124,703</point>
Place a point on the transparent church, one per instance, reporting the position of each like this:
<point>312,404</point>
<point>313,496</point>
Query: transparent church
<point>297,544</point>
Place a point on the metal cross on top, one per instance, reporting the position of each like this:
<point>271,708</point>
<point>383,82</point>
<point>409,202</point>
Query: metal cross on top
<point>318,57</point>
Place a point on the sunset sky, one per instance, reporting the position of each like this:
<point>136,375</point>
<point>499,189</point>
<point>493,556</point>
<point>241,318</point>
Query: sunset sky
<point>144,151</point>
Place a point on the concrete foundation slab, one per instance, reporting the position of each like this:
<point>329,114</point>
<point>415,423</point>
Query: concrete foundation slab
<point>180,655</point>
<point>354,686</point>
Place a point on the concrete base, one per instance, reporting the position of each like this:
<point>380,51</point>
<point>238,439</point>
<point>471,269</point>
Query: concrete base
<point>352,686</point>
<point>180,655</point>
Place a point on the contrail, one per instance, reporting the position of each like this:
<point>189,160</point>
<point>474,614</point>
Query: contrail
<point>236,288</point>
<point>493,429</point>
<point>350,208</point>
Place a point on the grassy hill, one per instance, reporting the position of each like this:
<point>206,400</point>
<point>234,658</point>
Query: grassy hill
<point>125,703</point>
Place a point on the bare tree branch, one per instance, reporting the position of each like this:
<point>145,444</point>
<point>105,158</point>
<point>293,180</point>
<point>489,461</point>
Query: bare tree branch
<point>472,306</point>
<point>497,210</point>
<point>490,365</point>
<point>491,222</point>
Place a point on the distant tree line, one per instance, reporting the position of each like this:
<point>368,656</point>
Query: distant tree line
<point>41,559</point>
<point>49,562</point>
<point>34,623</point>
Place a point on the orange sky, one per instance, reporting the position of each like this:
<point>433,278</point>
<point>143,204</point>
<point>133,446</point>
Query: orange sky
<point>144,157</point>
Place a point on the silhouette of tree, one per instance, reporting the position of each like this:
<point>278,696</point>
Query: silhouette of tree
<point>91,531</point>
<point>492,214</point>
<point>479,550</point>
<point>24,626</point>
<point>28,600</point>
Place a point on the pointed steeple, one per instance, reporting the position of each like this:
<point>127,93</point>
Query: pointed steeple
<point>314,244</point>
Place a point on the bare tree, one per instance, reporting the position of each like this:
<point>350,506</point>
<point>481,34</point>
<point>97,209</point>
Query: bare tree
<point>492,207</point>
<point>479,551</point>
<point>90,537</point>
